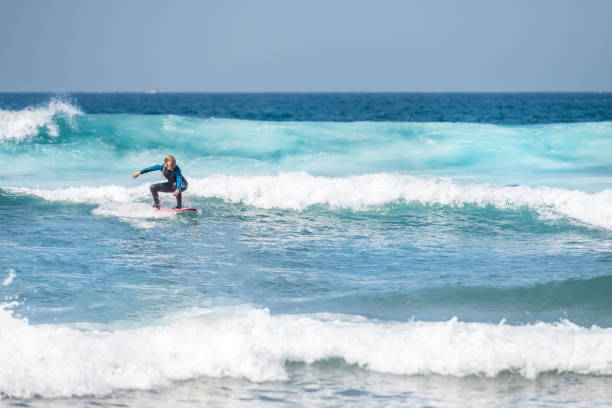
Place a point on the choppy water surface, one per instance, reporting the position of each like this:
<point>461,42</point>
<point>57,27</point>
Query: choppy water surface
<point>347,250</point>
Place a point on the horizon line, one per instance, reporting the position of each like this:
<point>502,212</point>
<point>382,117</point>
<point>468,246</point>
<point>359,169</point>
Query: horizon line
<point>147,92</point>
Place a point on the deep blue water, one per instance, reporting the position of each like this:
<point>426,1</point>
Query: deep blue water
<point>371,249</point>
<point>495,108</point>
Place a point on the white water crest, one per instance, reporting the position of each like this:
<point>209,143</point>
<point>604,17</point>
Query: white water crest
<point>246,342</point>
<point>9,278</point>
<point>22,124</point>
<point>300,190</point>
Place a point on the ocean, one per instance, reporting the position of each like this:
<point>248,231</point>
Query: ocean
<point>433,250</point>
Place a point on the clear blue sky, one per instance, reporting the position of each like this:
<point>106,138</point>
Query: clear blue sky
<point>308,45</point>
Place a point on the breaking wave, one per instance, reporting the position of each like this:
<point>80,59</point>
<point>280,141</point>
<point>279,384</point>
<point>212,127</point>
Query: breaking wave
<point>300,191</point>
<point>246,342</point>
<point>26,123</point>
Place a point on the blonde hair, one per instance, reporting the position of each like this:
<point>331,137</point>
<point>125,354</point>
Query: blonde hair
<point>169,158</point>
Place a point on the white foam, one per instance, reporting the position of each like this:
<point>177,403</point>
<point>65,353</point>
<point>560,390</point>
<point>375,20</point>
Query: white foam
<point>19,125</point>
<point>244,342</point>
<point>301,190</point>
<point>85,195</point>
<point>132,204</point>
<point>298,191</point>
<point>9,278</point>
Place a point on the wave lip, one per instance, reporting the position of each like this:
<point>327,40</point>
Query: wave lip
<point>25,123</point>
<point>246,342</point>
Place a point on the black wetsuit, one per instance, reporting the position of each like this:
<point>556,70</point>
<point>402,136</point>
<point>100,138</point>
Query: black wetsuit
<point>175,181</point>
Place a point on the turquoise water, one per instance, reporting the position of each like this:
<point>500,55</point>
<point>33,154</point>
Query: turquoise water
<point>339,255</point>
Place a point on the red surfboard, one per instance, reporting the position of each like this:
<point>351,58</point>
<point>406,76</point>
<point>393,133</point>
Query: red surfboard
<point>175,210</point>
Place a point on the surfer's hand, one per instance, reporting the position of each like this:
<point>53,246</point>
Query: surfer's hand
<point>176,193</point>
<point>136,174</point>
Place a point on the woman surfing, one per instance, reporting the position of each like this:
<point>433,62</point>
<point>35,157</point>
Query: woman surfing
<point>176,183</point>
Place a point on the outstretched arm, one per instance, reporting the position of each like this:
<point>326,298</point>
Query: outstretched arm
<point>148,169</point>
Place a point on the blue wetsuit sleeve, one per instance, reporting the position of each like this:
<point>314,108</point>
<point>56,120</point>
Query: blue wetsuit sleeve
<point>179,177</point>
<point>152,168</point>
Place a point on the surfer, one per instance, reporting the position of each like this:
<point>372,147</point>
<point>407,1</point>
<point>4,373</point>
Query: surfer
<point>176,183</point>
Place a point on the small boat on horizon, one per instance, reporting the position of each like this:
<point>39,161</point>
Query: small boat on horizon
<point>152,91</point>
